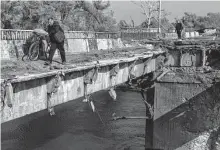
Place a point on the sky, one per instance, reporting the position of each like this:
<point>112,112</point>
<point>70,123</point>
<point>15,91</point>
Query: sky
<point>124,10</point>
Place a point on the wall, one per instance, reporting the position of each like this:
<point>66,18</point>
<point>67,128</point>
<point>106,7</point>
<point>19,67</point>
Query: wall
<point>184,34</point>
<point>187,116</point>
<point>185,58</point>
<point>76,42</point>
<point>31,96</point>
<point>138,34</point>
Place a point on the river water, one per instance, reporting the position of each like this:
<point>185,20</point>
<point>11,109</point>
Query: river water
<point>76,127</point>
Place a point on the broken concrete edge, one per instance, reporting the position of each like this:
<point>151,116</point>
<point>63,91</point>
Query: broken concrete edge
<point>213,75</point>
<point>31,96</point>
<point>87,66</point>
<point>191,43</point>
<point>158,81</point>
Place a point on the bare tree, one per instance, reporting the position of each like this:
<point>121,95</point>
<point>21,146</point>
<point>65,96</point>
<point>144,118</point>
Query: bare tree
<point>149,8</point>
<point>132,22</point>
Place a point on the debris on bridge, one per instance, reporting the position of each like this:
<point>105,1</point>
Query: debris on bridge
<point>12,68</point>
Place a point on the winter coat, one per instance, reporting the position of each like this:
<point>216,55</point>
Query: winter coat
<point>52,30</point>
<point>179,27</point>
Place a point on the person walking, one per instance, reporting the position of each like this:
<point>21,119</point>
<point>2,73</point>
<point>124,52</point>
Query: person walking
<point>56,35</point>
<point>179,28</point>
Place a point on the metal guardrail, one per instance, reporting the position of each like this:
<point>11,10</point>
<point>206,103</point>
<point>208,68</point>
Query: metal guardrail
<point>138,35</point>
<point>130,29</point>
<point>134,33</point>
<point>13,34</point>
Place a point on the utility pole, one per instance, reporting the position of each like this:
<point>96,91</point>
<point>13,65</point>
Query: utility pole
<point>159,16</point>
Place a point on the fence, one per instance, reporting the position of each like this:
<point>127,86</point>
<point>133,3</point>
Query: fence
<point>76,41</point>
<point>138,33</point>
<point>143,33</point>
<point>13,34</point>
<point>139,29</point>
<point>125,33</point>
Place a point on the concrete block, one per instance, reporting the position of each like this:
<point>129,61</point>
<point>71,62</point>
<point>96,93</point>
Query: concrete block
<point>4,51</point>
<point>92,44</point>
<point>170,96</point>
<point>9,47</point>
<point>188,59</point>
<point>102,44</point>
<point>185,115</point>
<point>174,58</point>
<point>199,143</point>
<point>117,43</point>
<point>196,34</point>
<point>187,34</point>
<point>27,95</point>
<point>110,43</point>
<point>192,34</point>
<point>78,45</point>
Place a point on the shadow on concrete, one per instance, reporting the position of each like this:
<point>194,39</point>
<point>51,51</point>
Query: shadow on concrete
<point>198,115</point>
<point>214,139</point>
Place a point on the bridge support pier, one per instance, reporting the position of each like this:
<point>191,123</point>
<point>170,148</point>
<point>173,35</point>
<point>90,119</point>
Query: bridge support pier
<point>186,112</point>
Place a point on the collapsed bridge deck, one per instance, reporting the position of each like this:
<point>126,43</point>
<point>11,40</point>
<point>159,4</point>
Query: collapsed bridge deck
<point>29,93</point>
<point>30,82</point>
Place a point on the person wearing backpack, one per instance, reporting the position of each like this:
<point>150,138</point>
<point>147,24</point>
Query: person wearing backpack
<point>57,37</point>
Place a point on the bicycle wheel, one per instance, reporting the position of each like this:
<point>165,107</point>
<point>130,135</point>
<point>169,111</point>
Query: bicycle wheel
<point>34,51</point>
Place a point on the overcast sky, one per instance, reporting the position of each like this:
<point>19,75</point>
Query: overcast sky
<point>124,9</point>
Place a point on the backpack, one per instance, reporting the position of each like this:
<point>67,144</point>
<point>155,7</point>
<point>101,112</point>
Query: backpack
<point>59,37</point>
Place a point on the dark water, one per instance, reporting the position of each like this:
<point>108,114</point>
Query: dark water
<point>76,127</point>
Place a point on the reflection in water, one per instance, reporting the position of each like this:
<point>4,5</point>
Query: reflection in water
<point>76,127</point>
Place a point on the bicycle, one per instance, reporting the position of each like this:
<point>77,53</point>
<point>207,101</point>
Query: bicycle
<point>34,46</point>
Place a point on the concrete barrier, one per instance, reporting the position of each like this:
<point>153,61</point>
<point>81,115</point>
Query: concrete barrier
<point>78,45</point>
<point>191,34</point>
<point>173,35</point>
<point>187,34</point>
<point>10,47</point>
<point>102,44</point>
<point>76,41</point>
<point>170,35</point>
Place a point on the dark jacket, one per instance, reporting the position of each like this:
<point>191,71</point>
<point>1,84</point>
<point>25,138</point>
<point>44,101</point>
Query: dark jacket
<point>179,27</point>
<point>52,30</point>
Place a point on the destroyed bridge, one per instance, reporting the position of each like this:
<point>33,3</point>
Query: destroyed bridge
<point>183,75</point>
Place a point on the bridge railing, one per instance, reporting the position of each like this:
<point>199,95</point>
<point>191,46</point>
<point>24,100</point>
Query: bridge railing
<point>138,33</point>
<point>131,33</point>
<point>124,33</point>
<point>14,34</point>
